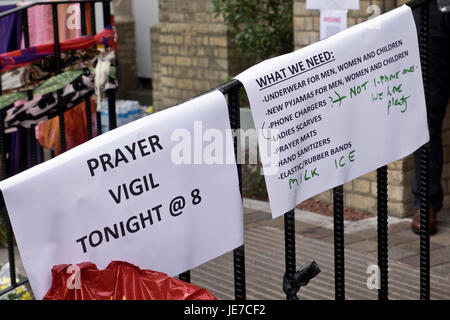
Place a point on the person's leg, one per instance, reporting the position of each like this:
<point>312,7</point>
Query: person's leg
<point>439,93</point>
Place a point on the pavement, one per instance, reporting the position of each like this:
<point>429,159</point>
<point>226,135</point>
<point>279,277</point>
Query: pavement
<point>264,253</point>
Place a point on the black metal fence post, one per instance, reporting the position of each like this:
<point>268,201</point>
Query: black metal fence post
<point>98,119</point>
<point>88,99</point>
<point>289,248</point>
<point>110,93</point>
<point>424,45</point>
<point>62,131</point>
<point>83,18</point>
<point>4,172</point>
<point>382,221</point>
<point>339,257</point>
<point>32,131</point>
<point>238,253</point>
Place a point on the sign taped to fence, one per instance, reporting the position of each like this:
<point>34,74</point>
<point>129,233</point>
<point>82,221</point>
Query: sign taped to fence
<point>332,22</point>
<point>126,195</point>
<point>339,108</point>
<point>332,4</point>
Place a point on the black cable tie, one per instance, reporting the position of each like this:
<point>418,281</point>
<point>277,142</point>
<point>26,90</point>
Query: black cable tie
<point>300,279</point>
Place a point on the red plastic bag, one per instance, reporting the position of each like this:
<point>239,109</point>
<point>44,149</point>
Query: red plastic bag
<point>119,281</point>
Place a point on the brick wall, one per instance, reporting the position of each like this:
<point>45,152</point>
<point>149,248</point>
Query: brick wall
<point>306,22</point>
<point>126,55</point>
<point>446,151</point>
<point>191,51</point>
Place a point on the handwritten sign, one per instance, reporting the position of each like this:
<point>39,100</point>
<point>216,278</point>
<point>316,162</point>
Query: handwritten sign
<point>339,108</point>
<point>121,197</point>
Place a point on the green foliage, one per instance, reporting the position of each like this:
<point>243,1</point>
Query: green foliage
<point>3,239</point>
<point>253,182</point>
<point>261,28</point>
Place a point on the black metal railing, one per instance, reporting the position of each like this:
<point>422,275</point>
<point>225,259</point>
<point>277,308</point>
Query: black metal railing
<point>291,277</point>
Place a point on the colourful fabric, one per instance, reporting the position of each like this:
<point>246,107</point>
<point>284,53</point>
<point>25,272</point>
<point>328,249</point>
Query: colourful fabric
<point>20,58</point>
<point>75,126</point>
<point>10,30</point>
<point>40,27</point>
<point>69,22</point>
<point>30,76</point>
<point>44,105</point>
<point>16,143</point>
<point>55,83</point>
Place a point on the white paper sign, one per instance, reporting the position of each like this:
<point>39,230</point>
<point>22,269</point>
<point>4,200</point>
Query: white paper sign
<point>121,197</point>
<point>339,108</point>
<point>332,22</point>
<point>332,4</point>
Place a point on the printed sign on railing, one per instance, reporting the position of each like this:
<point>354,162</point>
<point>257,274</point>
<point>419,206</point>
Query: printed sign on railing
<point>339,108</point>
<point>332,4</point>
<point>137,194</point>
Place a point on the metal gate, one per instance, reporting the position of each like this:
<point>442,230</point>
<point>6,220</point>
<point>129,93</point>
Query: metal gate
<point>293,278</point>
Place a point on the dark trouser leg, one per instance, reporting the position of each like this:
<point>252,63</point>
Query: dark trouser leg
<point>436,159</point>
<point>439,94</point>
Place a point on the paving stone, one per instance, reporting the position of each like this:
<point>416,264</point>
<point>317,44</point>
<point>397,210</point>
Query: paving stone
<point>318,233</point>
<point>408,234</point>
<point>443,269</point>
<point>415,246</point>
<point>398,238</point>
<point>256,217</point>
<point>443,253</point>
<point>370,234</point>
<point>397,227</point>
<point>394,253</point>
<point>442,237</point>
<point>247,211</point>
<point>415,260</point>
<point>348,239</point>
<point>329,239</point>
<point>300,227</point>
<point>397,253</point>
<point>364,246</point>
<point>276,223</point>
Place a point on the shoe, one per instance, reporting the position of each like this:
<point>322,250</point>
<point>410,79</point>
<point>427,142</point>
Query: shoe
<point>415,223</point>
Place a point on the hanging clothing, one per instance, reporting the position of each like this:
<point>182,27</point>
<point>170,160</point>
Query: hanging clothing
<point>17,144</point>
<point>76,128</point>
<point>30,76</point>
<point>102,71</point>
<point>76,87</point>
<point>23,57</point>
<point>10,30</point>
<point>55,83</point>
<point>40,22</point>
<point>40,27</point>
<point>45,107</point>
<point>69,20</point>
<point>69,26</point>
